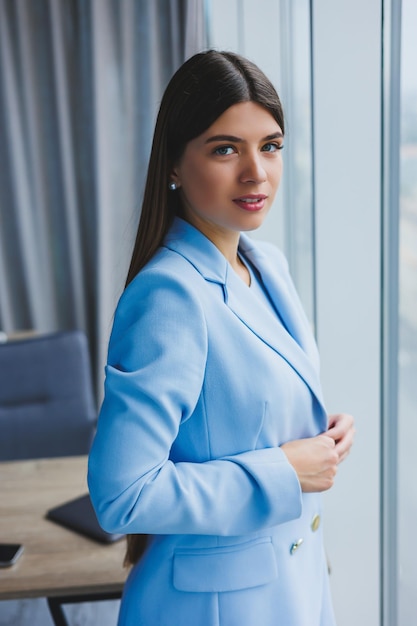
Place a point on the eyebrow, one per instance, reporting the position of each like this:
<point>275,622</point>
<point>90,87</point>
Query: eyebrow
<point>234,139</point>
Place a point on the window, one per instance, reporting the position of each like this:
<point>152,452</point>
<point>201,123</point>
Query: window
<point>407,316</point>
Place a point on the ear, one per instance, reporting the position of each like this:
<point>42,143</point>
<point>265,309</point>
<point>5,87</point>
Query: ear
<point>174,176</point>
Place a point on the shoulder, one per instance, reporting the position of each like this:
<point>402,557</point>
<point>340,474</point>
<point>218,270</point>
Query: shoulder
<point>160,296</point>
<point>167,272</point>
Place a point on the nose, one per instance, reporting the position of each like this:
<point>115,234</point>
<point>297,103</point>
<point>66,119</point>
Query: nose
<point>252,169</point>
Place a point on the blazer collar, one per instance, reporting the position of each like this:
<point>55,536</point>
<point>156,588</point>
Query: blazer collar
<point>292,339</point>
<point>283,295</point>
<point>198,250</point>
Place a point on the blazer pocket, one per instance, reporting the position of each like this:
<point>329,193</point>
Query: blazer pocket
<point>227,568</point>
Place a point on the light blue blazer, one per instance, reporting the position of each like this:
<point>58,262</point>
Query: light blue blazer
<point>203,385</point>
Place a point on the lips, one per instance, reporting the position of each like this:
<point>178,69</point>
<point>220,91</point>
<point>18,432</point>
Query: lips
<point>251,202</point>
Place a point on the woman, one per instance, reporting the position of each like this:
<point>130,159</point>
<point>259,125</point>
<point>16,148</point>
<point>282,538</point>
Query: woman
<point>212,437</point>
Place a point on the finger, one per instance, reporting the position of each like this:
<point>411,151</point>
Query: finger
<point>341,426</point>
<point>343,447</point>
<point>337,433</point>
<point>327,439</point>
<point>332,420</point>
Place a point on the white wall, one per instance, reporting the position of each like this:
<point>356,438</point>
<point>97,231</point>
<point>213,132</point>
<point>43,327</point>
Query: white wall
<point>347,75</point>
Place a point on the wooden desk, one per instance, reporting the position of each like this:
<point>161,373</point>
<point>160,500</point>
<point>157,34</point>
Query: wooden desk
<point>56,561</point>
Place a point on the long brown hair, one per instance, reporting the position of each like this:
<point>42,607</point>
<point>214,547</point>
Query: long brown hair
<point>198,93</point>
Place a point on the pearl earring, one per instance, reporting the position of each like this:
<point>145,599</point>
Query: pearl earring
<point>172,186</point>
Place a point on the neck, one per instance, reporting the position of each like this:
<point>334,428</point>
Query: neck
<point>241,270</point>
<point>228,246</point>
<point>227,241</point>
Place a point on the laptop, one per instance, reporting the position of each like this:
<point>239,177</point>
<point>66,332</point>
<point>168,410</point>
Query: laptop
<point>79,515</point>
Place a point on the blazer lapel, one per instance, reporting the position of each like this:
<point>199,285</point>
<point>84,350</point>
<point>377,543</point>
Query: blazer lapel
<point>284,297</point>
<point>292,339</point>
<point>244,304</point>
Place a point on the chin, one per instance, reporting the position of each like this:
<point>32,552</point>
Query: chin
<point>253,224</point>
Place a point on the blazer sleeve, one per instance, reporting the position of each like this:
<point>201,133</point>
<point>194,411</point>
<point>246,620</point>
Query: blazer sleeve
<point>154,377</point>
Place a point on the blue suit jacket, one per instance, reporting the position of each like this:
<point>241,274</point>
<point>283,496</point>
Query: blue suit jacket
<point>203,385</point>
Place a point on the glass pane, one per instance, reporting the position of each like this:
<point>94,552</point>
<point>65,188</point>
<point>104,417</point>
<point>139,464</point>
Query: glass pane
<point>277,38</point>
<point>407,399</point>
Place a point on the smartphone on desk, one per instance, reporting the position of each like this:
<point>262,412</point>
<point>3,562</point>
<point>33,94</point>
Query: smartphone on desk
<point>9,553</point>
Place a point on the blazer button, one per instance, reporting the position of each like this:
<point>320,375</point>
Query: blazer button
<point>296,545</point>
<point>315,522</point>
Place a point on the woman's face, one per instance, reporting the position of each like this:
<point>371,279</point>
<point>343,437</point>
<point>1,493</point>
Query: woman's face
<point>228,176</point>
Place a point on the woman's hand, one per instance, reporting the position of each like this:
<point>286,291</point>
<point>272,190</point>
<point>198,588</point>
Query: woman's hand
<point>316,459</point>
<point>342,431</point>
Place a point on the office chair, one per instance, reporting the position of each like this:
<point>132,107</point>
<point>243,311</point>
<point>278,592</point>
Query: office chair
<point>47,409</point>
<point>47,405</point>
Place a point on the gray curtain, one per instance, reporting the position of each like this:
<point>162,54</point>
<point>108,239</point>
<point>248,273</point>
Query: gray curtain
<point>80,84</point>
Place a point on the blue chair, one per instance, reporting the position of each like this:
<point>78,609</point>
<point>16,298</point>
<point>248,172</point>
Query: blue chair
<point>47,406</point>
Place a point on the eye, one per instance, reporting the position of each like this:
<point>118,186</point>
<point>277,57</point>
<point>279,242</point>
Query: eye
<point>272,147</point>
<point>224,150</point>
